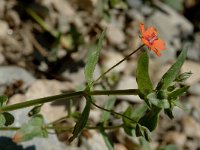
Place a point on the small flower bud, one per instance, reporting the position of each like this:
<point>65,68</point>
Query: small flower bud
<point>171,88</point>
<point>35,110</point>
<point>183,76</point>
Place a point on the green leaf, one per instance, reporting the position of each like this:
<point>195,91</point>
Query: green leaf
<point>177,4</point>
<point>138,112</point>
<point>120,4</point>
<point>3,99</point>
<point>178,92</point>
<point>106,138</point>
<point>180,105</point>
<point>142,75</point>
<point>128,113</point>
<point>35,110</point>
<point>161,103</point>
<point>33,128</point>
<point>138,130</point>
<point>150,119</point>
<point>173,71</point>
<point>147,134</point>
<point>109,105</point>
<point>82,121</point>
<point>143,131</point>
<point>9,118</point>
<point>92,59</point>
<point>135,114</point>
<point>169,113</point>
<point>168,147</point>
<point>128,124</point>
<point>2,120</point>
<point>129,130</point>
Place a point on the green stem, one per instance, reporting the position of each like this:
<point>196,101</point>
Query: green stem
<point>126,57</point>
<point>39,20</point>
<point>66,96</point>
<point>87,127</point>
<point>106,127</point>
<point>115,92</point>
<point>113,112</point>
<point>63,128</point>
<point>9,128</point>
<point>69,108</point>
<point>41,101</point>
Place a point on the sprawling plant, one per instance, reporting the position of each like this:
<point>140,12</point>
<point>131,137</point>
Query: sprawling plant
<point>139,121</point>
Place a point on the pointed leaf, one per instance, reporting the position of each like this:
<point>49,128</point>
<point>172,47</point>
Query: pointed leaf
<point>180,105</point>
<point>142,75</point>
<point>128,113</point>
<point>143,131</point>
<point>3,99</point>
<point>9,118</point>
<point>93,59</point>
<point>150,119</point>
<point>109,105</point>
<point>135,114</point>
<point>172,73</point>
<point>169,113</point>
<point>178,92</point>
<point>138,130</point>
<point>33,128</point>
<point>82,121</point>
<point>161,103</point>
<point>2,120</point>
<point>138,112</point>
<point>128,125</point>
<point>106,138</point>
<point>147,134</point>
<point>129,130</point>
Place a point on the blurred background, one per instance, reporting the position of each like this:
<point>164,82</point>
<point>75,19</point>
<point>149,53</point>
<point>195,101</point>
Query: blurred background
<point>43,48</point>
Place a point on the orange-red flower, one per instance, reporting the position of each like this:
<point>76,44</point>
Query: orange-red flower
<point>150,39</point>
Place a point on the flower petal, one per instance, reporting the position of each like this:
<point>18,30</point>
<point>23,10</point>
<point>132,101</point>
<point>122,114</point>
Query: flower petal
<point>146,42</point>
<point>159,44</point>
<point>142,29</point>
<point>150,31</point>
<point>156,51</point>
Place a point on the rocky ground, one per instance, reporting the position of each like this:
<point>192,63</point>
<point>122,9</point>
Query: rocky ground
<point>35,61</point>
